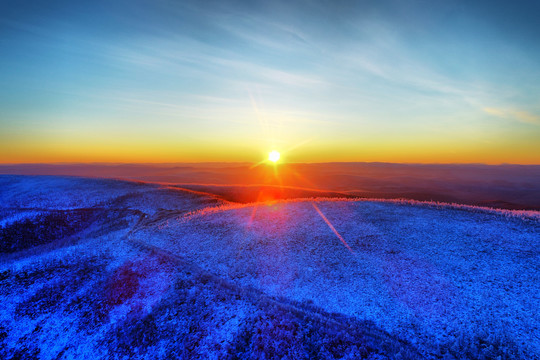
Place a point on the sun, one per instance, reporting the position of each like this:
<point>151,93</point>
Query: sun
<point>273,156</point>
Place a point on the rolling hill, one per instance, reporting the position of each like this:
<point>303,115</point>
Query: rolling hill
<point>118,269</point>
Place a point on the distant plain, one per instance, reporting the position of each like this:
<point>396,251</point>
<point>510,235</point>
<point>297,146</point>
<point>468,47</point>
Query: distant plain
<point>499,186</point>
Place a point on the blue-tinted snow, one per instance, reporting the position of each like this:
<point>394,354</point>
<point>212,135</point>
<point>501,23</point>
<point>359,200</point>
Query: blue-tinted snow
<point>427,273</point>
<point>152,273</point>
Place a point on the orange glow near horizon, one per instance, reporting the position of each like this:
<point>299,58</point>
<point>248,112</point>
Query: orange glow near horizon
<point>14,149</point>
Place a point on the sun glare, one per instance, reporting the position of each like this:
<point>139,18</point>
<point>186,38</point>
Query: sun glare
<point>273,156</point>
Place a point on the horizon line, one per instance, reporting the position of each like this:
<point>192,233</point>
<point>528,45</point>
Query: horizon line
<point>250,163</point>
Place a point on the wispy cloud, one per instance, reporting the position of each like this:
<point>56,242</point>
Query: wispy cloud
<point>381,53</point>
<point>516,115</point>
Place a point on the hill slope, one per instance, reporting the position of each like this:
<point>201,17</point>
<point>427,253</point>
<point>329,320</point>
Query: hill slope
<point>109,269</point>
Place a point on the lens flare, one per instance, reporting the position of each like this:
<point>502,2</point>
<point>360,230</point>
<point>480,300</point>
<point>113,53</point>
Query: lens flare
<point>273,156</point>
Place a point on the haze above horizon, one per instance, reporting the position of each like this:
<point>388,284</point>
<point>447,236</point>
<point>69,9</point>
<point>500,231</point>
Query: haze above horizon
<point>228,81</point>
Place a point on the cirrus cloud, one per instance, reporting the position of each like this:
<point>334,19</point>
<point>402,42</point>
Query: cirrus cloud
<point>513,114</point>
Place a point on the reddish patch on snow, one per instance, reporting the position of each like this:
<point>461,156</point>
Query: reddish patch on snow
<point>139,284</point>
<point>123,285</point>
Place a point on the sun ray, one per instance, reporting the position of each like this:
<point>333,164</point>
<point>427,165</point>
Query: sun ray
<point>278,178</point>
<point>332,227</point>
<point>297,145</point>
<point>254,211</point>
<point>305,181</point>
<point>262,121</point>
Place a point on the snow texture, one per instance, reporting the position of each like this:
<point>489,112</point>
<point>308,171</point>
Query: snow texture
<point>110,269</point>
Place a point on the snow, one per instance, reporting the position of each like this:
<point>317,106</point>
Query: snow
<point>162,273</point>
<point>445,269</point>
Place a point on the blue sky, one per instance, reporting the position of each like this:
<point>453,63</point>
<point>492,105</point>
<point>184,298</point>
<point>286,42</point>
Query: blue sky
<point>152,81</point>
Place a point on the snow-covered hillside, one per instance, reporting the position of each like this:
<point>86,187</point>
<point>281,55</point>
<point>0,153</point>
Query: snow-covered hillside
<point>111,269</point>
